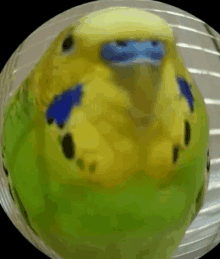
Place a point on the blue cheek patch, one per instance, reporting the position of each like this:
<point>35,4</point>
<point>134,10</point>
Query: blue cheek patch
<point>186,91</point>
<point>60,108</point>
<point>128,52</point>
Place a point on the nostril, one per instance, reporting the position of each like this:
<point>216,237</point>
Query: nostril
<point>154,43</point>
<point>121,43</point>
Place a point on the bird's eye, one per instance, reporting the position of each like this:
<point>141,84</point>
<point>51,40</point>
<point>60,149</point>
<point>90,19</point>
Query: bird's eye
<point>121,43</point>
<point>154,43</point>
<point>68,44</point>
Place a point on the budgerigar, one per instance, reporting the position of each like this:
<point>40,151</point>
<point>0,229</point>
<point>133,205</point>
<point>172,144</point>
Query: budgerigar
<point>105,142</point>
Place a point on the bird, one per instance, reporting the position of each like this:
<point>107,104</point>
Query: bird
<point>105,143</point>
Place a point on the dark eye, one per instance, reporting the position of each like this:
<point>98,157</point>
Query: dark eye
<point>68,44</point>
<point>121,43</point>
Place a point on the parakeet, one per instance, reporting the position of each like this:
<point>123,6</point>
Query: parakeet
<point>105,142</point>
